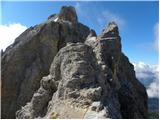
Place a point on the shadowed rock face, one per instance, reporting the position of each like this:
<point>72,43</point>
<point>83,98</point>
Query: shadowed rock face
<point>86,76</point>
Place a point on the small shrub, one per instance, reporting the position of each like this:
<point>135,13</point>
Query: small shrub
<point>54,115</point>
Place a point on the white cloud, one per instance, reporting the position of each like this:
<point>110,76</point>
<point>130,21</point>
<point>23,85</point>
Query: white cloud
<point>107,16</point>
<point>149,76</point>
<point>153,90</point>
<point>8,33</point>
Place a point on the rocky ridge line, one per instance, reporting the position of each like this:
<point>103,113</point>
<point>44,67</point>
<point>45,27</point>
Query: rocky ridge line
<point>89,77</point>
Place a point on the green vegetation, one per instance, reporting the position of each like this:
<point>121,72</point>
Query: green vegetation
<point>54,115</point>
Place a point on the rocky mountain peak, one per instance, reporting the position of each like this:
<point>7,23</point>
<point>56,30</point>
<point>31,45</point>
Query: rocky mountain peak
<point>62,70</point>
<point>28,55</point>
<point>68,13</point>
<point>111,30</point>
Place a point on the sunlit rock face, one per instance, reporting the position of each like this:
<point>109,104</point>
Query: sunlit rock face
<point>62,69</point>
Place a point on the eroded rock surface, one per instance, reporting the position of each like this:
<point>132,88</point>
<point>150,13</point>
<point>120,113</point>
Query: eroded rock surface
<point>88,76</point>
<point>28,59</point>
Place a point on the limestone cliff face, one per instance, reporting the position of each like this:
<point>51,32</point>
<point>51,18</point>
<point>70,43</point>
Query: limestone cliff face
<point>62,69</point>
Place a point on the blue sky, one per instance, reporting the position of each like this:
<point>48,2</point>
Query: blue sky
<point>137,21</point>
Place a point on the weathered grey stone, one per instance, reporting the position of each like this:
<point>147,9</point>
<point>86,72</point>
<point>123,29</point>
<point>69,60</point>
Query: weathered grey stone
<point>89,77</point>
<point>25,64</point>
<point>96,111</point>
<point>96,106</point>
<point>28,59</point>
<point>111,31</point>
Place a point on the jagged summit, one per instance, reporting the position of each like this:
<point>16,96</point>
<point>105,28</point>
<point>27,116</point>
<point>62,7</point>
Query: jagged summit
<point>67,13</point>
<point>61,69</point>
<point>111,30</point>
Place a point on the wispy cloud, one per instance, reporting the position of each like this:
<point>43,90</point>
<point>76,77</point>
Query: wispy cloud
<point>107,16</point>
<point>78,7</point>
<point>100,18</point>
<point>156,36</point>
<point>82,9</point>
<point>153,45</point>
<point>148,75</point>
<point>153,90</point>
<point>9,32</point>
